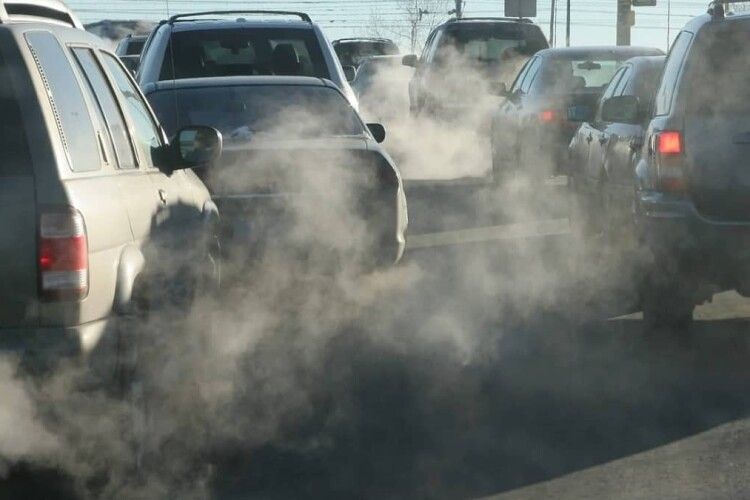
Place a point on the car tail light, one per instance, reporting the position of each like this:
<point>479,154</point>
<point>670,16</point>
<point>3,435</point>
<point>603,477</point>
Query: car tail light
<point>63,255</point>
<point>669,143</point>
<point>669,147</point>
<point>549,116</point>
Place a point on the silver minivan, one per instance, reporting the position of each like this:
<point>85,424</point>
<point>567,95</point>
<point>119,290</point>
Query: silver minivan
<point>96,206</point>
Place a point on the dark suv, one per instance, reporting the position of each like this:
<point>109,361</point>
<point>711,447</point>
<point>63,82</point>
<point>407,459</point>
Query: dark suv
<point>693,179</point>
<point>92,194</point>
<point>254,43</point>
<point>465,57</point>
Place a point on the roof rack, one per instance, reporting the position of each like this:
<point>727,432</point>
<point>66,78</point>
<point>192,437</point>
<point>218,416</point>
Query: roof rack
<point>301,15</point>
<point>514,19</point>
<point>717,8</point>
<point>48,11</point>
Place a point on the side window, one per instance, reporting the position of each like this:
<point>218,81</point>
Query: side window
<point>13,143</point>
<point>145,129</point>
<point>107,102</point>
<point>521,75</point>
<point>672,68</point>
<point>624,81</point>
<point>432,48</point>
<point>427,46</point>
<point>71,113</point>
<point>610,91</point>
<point>530,75</point>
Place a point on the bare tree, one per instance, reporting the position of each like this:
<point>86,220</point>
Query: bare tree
<point>416,18</point>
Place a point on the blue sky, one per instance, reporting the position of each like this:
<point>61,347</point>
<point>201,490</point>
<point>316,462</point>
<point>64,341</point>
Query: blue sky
<point>593,21</point>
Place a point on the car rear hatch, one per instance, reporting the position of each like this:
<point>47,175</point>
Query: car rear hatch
<point>18,270</point>
<point>717,128</point>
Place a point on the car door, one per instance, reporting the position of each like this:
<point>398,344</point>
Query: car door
<point>176,220</point>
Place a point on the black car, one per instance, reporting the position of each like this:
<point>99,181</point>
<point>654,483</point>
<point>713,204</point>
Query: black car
<point>605,150</point>
<point>692,199</point>
<point>298,159</point>
<point>464,58</point>
<point>531,131</point>
<point>351,51</point>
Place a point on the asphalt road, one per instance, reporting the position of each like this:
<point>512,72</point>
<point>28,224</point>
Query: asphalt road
<point>501,366</point>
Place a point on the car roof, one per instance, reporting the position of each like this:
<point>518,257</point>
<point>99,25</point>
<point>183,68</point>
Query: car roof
<point>238,23</point>
<point>621,52</point>
<point>695,24</point>
<point>239,81</point>
<point>647,60</point>
<point>488,20</point>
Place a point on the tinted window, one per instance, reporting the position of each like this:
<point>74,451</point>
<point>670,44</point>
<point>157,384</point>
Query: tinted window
<point>671,71</point>
<point>609,92</point>
<point>351,53</point>
<point>232,52</point>
<point>259,111</point>
<point>15,149</point>
<point>624,81</point>
<point>147,134</point>
<point>564,76</point>
<point>73,119</point>
<point>135,47</point>
<point>111,112</point>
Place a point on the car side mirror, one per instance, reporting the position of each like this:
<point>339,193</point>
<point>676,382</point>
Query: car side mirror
<point>410,60</point>
<point>377,131</point>
<point>350,72</point>
<point>622,109</point>
<point>580,113</point>
<point>196,147</point>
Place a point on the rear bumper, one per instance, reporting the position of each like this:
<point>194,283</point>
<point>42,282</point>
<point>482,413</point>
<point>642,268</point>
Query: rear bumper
<point>717,251</point>
<point>53,342</point>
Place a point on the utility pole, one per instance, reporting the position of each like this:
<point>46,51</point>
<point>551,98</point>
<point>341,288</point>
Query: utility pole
<point>459,8</point>
<point>567,25</point>
<point>552,24</point>
<point>625,16</point>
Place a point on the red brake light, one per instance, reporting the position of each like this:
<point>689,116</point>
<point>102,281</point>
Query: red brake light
<point>63,255</point>
<point>548,116</point>
<point>669,143</point>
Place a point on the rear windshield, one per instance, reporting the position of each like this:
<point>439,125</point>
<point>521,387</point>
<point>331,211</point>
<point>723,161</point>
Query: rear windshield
<point>586,74</point>
<point>489,44</point>
<point>14,150</point>
<point>244,52</point>
<point>259,111</point>
<point>723,54</point>
<point>135,47</point>
<point>352,53</point>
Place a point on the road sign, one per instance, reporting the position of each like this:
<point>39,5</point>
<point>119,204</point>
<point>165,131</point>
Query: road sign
<point>520,8</point>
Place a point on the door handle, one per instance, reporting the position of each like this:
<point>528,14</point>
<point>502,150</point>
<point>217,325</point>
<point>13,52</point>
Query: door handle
<point>163,196</point>
<point>589,138</point>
